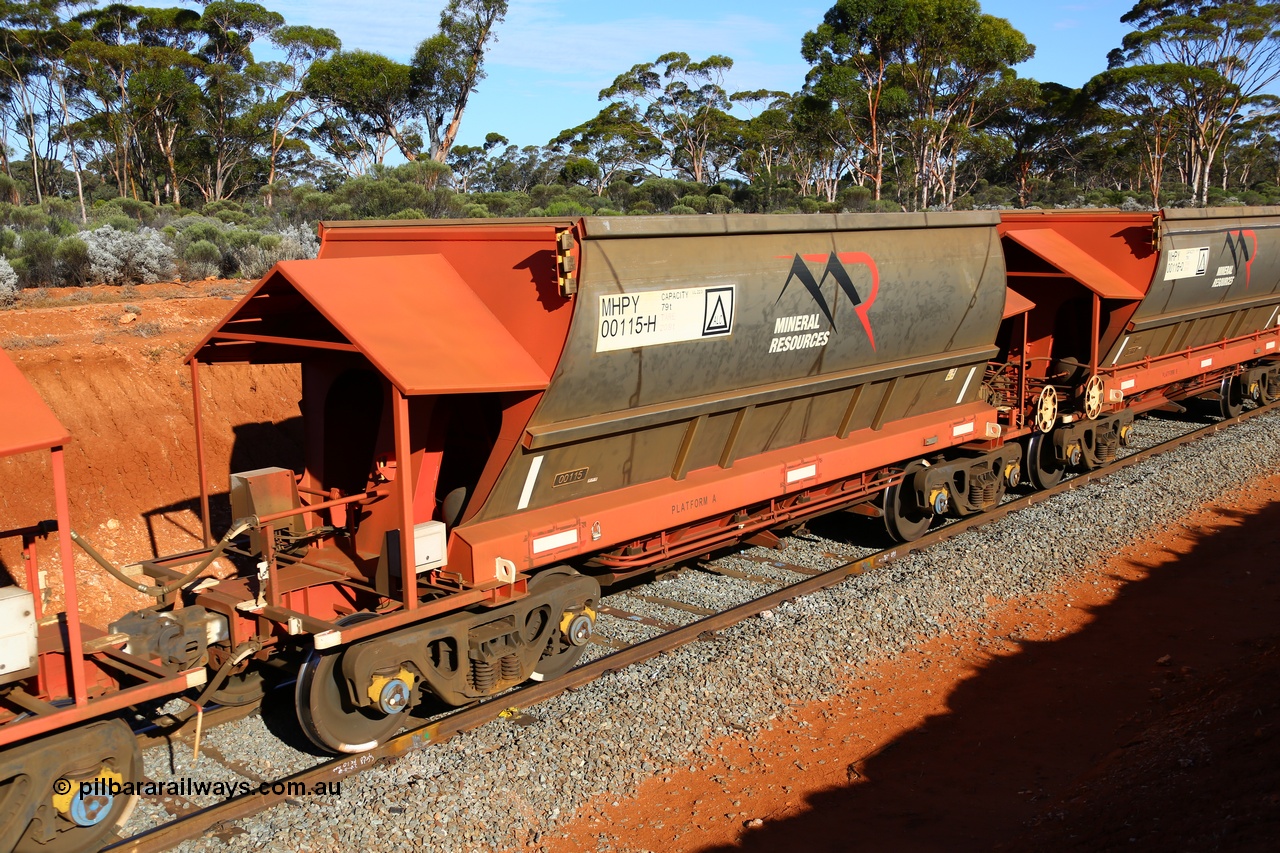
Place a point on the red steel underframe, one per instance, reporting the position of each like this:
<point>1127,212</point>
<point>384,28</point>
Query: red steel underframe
<point>1151,373</point>
<point>638,511</point>
<point>59,654</point>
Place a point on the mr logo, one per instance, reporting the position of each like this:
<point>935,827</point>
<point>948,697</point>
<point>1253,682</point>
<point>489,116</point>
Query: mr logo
<point>836,270</point>
<point>1242,246</point>
<point>717,313</point>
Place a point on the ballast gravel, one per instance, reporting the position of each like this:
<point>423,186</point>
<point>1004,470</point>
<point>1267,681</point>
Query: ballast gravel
<point>506,785</point>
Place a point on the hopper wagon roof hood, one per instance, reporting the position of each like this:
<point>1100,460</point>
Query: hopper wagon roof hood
<point>29,424</point>
<point>411,316</point>
<point>1075,262</point>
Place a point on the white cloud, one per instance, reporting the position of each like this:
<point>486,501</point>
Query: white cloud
<point>390,27</point>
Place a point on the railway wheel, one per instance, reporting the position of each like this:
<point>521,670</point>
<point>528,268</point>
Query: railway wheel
<point>243,688</point>
<point>903,519</point>
<point>1043,468</point>
<point>1046,414</point>
<point>326,713</point>
<point>570,639</point>
<point>1232,394</point>
<point>69,792</point>
<point>1093,397</point>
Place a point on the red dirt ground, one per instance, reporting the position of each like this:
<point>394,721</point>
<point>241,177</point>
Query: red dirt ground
<point>1137,709</point>
<point>118,382</point>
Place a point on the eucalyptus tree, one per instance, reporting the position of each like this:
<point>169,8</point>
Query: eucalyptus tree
<point>614,141</point>
<point>140,65</point>
<point>30,39</point>
<point>1208,61</point>
<point>853,53</point>
<point>283,109</point>
<point>1138,100</point>
<point>943,65</point>
<point>681,104</point>
<point>368,103</point>
<point>448,66</point>
<point>1038,123</point>
<point>469,162</point>
<point>766,140</point>
<point>956,70</point>
<point>230,89</point>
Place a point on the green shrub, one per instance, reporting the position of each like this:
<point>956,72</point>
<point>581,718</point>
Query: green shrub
<point>567,207</point>
<point>226,210</point>
<point>141,212</point>
<point>717,203</point>
<point>239,237</point>
<point>682,210</point>
<point>202,251</point>
<point>36,262</point>
<point>698,203</point>
<point>408,213</point>
<point>118,221</point>
<point>28,218</point>
<point>201,230</point>
<point>855,199</point>
<point>74,265</point>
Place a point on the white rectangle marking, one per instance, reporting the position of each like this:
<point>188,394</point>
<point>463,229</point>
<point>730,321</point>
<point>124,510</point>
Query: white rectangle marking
<point>1206,362</point>
<point>963,429</point>
<point>555,540</point>
<point>527,491</point>
<point>965,386</point>
<point>649,318</point>
<point>795,475</point>
<point>1271,344</point>
<point>1186,263</point>
<point>1120,351</point>
<point>1127,384</point>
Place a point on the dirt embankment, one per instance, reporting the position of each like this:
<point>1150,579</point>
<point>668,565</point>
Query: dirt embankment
<point>110,365</point>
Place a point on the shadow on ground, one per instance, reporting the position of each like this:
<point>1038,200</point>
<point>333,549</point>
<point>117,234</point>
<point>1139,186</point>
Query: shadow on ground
<point>1157,726</point>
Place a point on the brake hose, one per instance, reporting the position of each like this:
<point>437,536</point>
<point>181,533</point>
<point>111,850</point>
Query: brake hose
<point>237,528</point>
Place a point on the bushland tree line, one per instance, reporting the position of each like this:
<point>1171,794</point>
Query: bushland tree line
<point>164,123</point>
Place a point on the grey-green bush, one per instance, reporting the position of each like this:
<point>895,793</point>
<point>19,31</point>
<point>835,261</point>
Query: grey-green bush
<point>118,257</point>
<point>8,284</point>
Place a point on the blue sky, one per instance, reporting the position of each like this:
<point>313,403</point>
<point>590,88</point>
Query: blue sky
<point>553,57</point>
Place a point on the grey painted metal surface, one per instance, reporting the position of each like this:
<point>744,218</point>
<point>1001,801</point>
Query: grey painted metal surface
<point>760,329</point>
<point>1217,277</point>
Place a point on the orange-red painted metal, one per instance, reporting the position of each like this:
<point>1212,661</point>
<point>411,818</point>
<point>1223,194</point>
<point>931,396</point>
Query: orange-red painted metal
<point>95,684</point>
<point>28,423</point>
<point>412,317</point>
<point>1015,303</point>
<point>1084,267</point>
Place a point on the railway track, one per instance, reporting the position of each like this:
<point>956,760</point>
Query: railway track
<point>647,636</point>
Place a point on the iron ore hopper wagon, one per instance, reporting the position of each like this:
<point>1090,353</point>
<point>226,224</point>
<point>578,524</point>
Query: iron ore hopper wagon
<point>500,416</point>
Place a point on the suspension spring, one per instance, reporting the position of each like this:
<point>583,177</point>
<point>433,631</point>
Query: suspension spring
<point>483,676</point>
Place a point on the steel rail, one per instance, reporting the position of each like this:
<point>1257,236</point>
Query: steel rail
<point>197,823</point>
